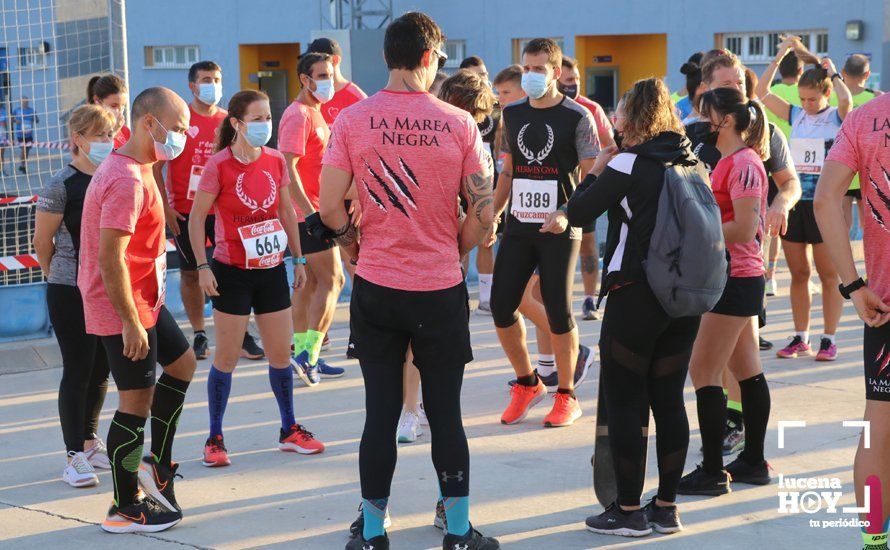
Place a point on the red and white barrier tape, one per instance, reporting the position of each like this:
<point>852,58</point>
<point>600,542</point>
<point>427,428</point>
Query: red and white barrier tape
<point>60,145</point>
<point>29,261</point>
<point>17,200</point>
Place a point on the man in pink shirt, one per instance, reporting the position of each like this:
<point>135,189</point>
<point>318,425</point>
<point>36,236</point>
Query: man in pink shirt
<point>122,277</point>
<point>570,85</point>
<point>863,146</point>
<point>346,92</point>
<point>410,155</point>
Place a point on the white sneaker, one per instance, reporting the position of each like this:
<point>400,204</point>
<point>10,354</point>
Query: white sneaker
<point>484,308</point>
<point>421,414</point>
<point>772,289</point>
<point>79,472</point>
<point>97,455</point>
<point>409,428</point>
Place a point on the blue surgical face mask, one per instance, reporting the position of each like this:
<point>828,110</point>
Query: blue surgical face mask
<point>324,90</point>
<point>99,150</point>
<point>258,133</point>
<point>534,84</point>
<point>209,93</point>
<point>173,144</point>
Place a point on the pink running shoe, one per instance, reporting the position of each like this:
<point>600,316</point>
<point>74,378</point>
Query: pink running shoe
<point>794,349</point>
<point>827,351</point>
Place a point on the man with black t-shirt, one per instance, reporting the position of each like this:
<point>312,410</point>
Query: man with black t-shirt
<point>549,137</point>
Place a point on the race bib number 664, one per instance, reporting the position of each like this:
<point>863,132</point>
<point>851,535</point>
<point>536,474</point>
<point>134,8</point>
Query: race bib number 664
<point>264,244</point>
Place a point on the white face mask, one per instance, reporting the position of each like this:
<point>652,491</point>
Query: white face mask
<point>324,90</point>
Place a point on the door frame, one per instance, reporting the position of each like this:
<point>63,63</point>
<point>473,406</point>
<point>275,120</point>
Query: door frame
<point>603,70</point>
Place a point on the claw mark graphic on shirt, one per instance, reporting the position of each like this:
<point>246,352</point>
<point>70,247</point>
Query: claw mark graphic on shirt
<point>397,181</point>
<point>393,199</point>
<point>875,214</point>
<point>374,197</point>
<point>883,359</point>
<point>408,172</point>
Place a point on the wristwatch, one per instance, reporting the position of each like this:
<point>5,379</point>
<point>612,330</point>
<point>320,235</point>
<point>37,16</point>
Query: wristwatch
<point>849,289</point>
<point>301,260</point>
<point>837,75</point>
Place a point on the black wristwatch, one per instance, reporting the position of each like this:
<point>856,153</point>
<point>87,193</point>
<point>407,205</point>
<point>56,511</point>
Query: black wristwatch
<point>837,75</point>
<point>849,289</point>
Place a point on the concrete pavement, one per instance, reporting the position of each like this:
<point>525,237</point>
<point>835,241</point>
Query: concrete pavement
<point>531,487</point>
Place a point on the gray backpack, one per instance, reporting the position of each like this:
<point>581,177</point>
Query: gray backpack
<point>686,263</point>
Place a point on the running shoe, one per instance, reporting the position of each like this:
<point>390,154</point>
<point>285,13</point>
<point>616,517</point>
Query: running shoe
<point>484,308</point>
<point>614,521</point>
<point>827,350</point>
<point>307,373</point>
<point>550,377</point>
<point>326,343</point>
<point>551,381</point>
<point>772,289</point>
<point>588,310</point>
<point>250,349</point>
<point>409,428</point>
<point>327,371</point>
<point>742,472</point>
<point>299,440</point>
<point>215,453</point>
<point>583,364</point>
<point>421,414</point>
<point>380,542</point>
<point>700,482</point>
<point>664,519</point>
<point>765,345</point>
<point>79,472</point>
<point>143,516</point>
<point>473,540</point>
<point>97,455</point>
<point>201,346</point>
<point>734,440</point>
<point>355,530</point>
<point>564,412</point>
<point>440,521</point>
<point>157,481</point>
<point>522,399</point>
<point>795,348</point>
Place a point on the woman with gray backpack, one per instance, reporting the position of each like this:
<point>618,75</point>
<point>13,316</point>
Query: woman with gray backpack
<point>664,266</point>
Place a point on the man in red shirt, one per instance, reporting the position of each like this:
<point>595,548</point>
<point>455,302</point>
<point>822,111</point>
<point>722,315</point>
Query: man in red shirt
<point>302,137</point>
<point>178,191</point>
<point>122,277</point>
<point>570,85</point>
<point>345,92</point>
<point>862,146</point>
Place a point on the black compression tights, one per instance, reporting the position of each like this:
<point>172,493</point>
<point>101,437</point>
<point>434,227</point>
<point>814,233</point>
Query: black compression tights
<point>645,359</point>
<point>84,367</point>
<point>441,384</point>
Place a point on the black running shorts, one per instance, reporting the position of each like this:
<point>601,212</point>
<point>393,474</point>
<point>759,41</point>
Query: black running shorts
<point>184,245</point>
<point>243,290</point>
<point>742,297</point>
<point>311,245</point>
<point>166,344</point>
<point>802,226</point>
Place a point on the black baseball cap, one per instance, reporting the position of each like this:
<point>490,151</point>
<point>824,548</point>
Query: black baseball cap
<point>325,45</point>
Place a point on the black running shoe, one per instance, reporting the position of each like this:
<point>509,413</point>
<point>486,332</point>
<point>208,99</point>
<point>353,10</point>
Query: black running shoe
<point>250,349</point>
<point>473,540</point>
<point>700,482</point>
<point>742,472</point>
<point>512,382</point>
<point>734,440</point>
<point>664,519</point>
<point>380,542</point>
<point>583,364</point>
<point>765,344</point>
<point>157,481</point>
<point>143,516</point>
<point>201,346</point>
<point>614,521</point>
<point>355,530</point>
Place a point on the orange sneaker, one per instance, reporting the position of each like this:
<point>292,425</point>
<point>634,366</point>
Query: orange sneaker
<point>215,454</point>
<point>522,399</point>
<point>299,440</point>
<point>564,412</point>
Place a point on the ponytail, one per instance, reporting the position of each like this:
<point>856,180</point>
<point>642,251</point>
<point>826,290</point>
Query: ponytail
<point>750,117</point>
<point>817,77</point>
<point>238,105</point>
<point>103,86</point>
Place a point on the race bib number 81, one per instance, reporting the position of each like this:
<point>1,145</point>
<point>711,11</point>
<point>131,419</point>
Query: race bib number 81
<point>808,154</point>
<point>264,244</point>
<point>533,200</point>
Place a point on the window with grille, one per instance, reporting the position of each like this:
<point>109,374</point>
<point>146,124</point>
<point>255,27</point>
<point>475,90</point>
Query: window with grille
<point>171,57</point>
<point>456,50</point>
<point>761,47</point>
<point>34,57</point>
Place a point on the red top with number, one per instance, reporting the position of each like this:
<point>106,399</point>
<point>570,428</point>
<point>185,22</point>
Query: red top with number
<point>343,98</point>
<point>184,172</point>
<point>246,195</point>
<point>303,133</point>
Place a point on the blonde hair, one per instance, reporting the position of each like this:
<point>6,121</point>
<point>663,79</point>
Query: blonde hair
<point>468,91</point>
<point>717,59</point>
<point>90,119</point>
<point>648,111</point>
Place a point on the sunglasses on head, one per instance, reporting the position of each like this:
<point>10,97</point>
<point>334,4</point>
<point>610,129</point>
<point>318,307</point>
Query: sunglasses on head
<point>443,57</point>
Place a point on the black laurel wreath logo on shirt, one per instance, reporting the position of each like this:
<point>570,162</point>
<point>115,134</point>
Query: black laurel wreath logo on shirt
<point>489,126</point>
<point>529,155</point>
<point>251,203</point>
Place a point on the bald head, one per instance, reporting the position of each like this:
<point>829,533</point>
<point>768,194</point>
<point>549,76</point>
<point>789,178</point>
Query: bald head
<point>156,111</point>
<point>857,66</point>
<point>157,101</point>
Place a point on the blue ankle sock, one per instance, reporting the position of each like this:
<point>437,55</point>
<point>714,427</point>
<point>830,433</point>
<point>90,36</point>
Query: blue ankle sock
<point>219,384</point>
<point>282,382</point>
<point>457,512</point>
<point>373,512</point>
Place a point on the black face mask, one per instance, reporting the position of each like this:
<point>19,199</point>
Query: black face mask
<point>570,91</point>
<point>710,138</point>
